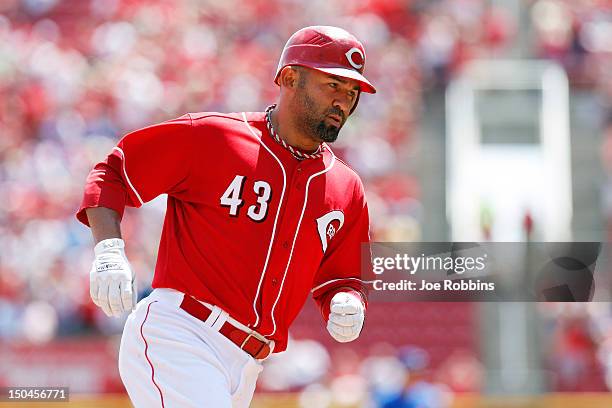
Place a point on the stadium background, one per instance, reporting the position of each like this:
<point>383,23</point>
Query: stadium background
<point>76,75</point>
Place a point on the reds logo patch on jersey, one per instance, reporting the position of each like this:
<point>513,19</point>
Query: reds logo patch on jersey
<point>328,225</point>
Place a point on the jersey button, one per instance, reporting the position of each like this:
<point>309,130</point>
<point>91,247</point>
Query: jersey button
<point>274,281</point>
<point>286,244</point>
<point>299,169</point>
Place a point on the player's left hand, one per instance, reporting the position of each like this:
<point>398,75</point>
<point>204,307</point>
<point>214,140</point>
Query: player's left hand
<point>346,317</point>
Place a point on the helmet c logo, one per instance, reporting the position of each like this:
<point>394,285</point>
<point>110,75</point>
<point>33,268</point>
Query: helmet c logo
<point>349,57</point>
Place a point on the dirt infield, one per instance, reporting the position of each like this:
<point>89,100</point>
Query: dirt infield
<point>558,400</point>
<point>602,400</point>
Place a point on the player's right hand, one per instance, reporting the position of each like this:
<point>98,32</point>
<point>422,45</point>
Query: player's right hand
<point>112,284</point>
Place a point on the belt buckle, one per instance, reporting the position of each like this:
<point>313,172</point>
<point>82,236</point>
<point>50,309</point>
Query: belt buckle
<point>247,339</point>
<point>270,344</point>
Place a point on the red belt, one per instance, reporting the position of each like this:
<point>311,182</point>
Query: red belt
<point>246,341</point>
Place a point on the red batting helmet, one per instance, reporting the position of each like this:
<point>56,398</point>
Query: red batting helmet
<point>327,49</point>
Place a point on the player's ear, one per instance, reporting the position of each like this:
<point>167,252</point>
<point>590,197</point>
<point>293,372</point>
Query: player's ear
<point>289,77</point>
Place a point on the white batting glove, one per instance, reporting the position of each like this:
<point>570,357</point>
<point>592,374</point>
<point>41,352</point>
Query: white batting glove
<point>112,284</point>
<point>346,317</point>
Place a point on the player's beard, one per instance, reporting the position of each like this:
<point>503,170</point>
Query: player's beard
<point>314,124</point>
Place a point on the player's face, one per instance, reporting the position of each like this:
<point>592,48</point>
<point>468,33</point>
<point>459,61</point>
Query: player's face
<point>324,103</point>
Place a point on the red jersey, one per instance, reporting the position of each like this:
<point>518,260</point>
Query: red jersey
<point>248,227</point>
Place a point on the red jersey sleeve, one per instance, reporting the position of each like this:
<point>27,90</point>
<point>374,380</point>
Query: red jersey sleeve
<point>340,270</point>
<point>144,164</point>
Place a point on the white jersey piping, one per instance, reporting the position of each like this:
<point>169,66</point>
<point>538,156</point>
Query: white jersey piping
<point>313,290</point>
<point>263,272</point>
<point>297,230</point>
<point>125,174</point>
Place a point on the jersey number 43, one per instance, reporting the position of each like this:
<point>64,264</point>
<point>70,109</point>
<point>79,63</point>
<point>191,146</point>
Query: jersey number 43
<point>232,198</point>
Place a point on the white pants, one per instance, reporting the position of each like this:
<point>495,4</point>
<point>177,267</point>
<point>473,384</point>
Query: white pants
<point>169,359</point>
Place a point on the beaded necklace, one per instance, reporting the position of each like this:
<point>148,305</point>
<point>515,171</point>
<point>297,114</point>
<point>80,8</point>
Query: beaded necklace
<point>298,154</point>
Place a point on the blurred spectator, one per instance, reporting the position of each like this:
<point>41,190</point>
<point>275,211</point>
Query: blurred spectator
<point>417,391</point>
<point>580,339</point>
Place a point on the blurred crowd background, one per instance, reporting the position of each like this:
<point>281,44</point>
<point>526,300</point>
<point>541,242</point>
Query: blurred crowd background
<point>75,75</point>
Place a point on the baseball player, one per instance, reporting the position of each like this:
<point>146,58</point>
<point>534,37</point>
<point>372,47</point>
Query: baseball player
<point>260,213</point>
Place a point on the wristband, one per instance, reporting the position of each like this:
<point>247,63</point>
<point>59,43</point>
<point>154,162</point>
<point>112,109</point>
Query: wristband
<point>110,243</point>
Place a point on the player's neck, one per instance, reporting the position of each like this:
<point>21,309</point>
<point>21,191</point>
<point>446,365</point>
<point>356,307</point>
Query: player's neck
<point>283,123</point>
